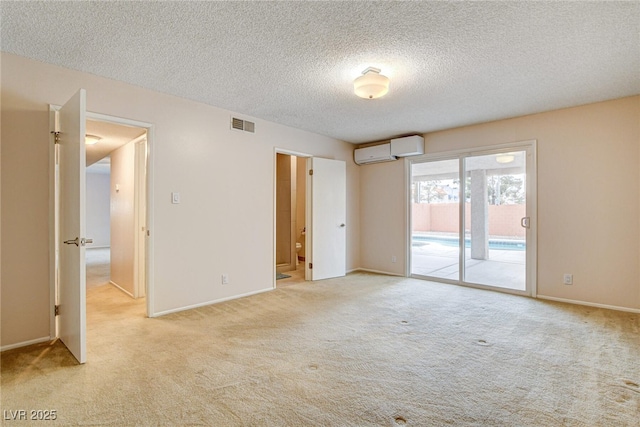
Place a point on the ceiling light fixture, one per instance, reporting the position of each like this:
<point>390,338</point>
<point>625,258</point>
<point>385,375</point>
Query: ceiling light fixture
<point>371,84</point>
<point>505,158</point>
<point>91,139</point>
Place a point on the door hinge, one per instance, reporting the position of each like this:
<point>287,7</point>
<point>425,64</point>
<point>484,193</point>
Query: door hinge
<point>56,310</point>
<point>56,137</point>
<point>310,171</point>
<point>310,266</point>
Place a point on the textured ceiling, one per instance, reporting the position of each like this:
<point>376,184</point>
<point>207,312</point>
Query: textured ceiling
<point>450,63</point>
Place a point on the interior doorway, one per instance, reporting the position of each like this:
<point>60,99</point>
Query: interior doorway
<point>323,235</point>
<point>116,206</point>
<point>68,239</point>
<point>473,218</point>
<point>290,225</point>
<point>98,207</point>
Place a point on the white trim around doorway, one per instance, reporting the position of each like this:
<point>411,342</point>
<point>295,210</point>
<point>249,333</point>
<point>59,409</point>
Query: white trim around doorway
<point>149,211</point>
<point>285,151</point>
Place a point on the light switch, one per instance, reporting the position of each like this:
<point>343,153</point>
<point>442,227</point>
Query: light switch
<point>175,198</point>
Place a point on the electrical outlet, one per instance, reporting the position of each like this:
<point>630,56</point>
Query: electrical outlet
<point>225,279</point>
<point>393,259</point>
<point>568,279</point>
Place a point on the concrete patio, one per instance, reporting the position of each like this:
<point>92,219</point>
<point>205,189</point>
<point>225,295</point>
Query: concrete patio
<point>505,268</point>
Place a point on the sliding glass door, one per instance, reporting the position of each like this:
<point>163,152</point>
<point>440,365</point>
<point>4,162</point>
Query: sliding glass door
<point>495,194</point>
<point>435,205</point>
<point>472,218</point>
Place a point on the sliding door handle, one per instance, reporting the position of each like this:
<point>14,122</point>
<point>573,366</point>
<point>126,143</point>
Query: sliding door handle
<point>525,222</point>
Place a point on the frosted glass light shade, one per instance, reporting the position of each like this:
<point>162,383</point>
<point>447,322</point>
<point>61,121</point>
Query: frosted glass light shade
<point>371,84</point>
<point>505,158</point>
<point>91,139</point>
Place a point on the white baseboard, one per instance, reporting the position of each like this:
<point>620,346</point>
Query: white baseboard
<point>590,304</point>
<point>121,288</point>
<point>189,307</point>
<point>25,343</point>
<point>368,270</point>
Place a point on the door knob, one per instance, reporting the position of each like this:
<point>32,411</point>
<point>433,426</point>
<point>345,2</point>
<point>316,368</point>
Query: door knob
<point>78,242</point>
<point>75,241</point>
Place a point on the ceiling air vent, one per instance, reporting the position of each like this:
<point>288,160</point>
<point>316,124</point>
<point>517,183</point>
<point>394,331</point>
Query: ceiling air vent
<point>237,123</point>
<point>243,125</point>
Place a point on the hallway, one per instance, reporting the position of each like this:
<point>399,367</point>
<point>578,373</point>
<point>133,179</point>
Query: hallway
<point>98,266</point>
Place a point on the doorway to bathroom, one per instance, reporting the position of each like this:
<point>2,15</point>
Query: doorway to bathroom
<point>310,225</point>
<point>290,224</point>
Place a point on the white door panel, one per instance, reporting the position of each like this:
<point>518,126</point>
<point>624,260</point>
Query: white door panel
<point>328,219</point>
<point>72,269</point>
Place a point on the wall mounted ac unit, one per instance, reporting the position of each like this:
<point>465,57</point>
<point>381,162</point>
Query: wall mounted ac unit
<point>407,146</point>
<point>373,154</point>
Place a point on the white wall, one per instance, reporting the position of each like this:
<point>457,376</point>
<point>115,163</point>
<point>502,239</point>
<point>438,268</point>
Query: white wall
<point>98,208</point>
<point>225,177</point>
<point>123,230</point>
<point>588,198</point>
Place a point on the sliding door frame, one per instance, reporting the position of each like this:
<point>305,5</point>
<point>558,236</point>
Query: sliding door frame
<point>528,146</point>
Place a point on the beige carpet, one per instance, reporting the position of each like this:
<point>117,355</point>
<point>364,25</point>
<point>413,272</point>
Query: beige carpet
<point>98,261</point>
<point>365,350</point>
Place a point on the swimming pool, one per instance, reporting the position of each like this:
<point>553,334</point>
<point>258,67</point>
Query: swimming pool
<point>502,244</point>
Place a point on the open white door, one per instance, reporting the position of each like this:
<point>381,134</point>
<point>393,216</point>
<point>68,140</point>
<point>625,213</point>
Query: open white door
<point>327,196</point>
<point>72,280</point>
<point>140,215</point>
